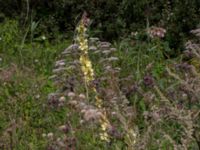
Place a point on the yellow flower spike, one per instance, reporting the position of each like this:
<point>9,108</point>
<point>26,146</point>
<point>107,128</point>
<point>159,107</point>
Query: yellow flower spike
<point>88,72</point>
<point>98,101</point>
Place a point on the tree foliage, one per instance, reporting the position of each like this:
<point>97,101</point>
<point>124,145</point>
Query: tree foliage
<point>111,19</point>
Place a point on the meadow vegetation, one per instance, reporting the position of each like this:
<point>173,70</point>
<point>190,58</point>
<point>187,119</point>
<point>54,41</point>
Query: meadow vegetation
<point>83,90</point>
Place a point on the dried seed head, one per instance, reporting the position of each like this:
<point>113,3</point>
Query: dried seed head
<point>53,99</point>
<point>64,128</point>
<point>157,32</point>
<point>82,96</point>
<point>73,103</point>
<point>92,114</point>
<point>148,80</point>
<point>114,132</point>
<point>71,94</point>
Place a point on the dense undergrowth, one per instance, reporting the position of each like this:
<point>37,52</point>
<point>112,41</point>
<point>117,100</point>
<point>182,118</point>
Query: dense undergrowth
<point>25,66</point>
<point>95,95</point>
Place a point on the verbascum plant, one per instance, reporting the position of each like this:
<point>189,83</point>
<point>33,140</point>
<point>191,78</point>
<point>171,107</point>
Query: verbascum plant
<point>88,72</point>
<point>96,97</point>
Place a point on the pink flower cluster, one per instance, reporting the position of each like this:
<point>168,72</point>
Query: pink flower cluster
<point>157,32</point>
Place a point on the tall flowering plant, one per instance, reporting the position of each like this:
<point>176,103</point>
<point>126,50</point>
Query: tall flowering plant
<point>88,72</point>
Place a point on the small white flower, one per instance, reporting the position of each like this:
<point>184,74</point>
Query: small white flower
<point>37,96</point>
<point>62,99</point>
<point>43,37</point>
<point>44,135</point>
<point>82,96</point>
<point>50,135</point>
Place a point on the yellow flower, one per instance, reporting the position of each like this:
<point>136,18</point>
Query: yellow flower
<point>81,27</point>
<point>104,136</point>
<point>88,64</point>
<point>83,46</point>
<point>104,126</point>
<point>86,67</point>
